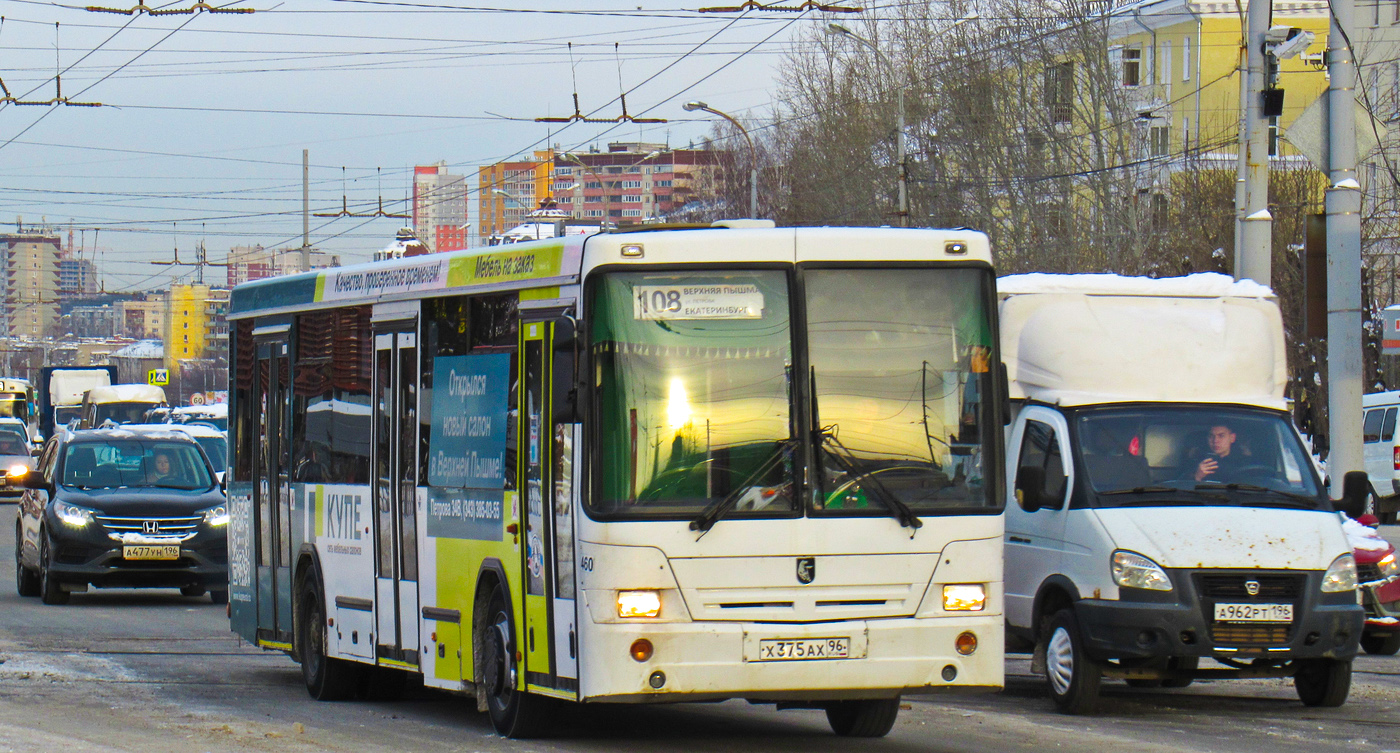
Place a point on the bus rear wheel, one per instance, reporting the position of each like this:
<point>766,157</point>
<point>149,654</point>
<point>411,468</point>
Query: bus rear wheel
<point>865,718</point>
<point>514,713</point>
<point>327,678</point>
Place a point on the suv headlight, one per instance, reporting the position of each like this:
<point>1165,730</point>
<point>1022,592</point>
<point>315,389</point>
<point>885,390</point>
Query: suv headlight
<point>78,517</point>
<point>1340,575</point>
<point>1136,571</point>
<point>216,516</point>
<point>1388,566</point>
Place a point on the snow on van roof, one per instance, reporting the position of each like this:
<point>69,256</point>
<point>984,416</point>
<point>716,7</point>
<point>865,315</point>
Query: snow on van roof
<point>1200,285</point>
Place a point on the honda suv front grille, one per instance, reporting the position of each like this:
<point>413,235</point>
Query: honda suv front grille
<point>150,526</point>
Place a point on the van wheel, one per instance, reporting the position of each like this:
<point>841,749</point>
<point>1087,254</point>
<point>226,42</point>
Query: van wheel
<point>50,591</point>
<point>1323,682</point>
<point>218,596</point>
<point>865,718</point>
<point>1381,644</point>
<point>1073,677</point>
<point>192,591</point>
<point>1183,663</point>
<point>26,580</point>
<point>514,713</point>
<point>327,678</point>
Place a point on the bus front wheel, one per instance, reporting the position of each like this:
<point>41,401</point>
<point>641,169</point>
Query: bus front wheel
<point>327,678</point>
<point>864,718</point>
<point>514,713</point>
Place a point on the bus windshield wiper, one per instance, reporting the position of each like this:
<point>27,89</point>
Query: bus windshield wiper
<point>867,480</point>
<point>720,508</point>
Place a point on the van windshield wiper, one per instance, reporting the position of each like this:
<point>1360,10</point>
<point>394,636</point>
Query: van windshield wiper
<point>720,508</point>
<point>1140,490</point>
<point>1311,501</point>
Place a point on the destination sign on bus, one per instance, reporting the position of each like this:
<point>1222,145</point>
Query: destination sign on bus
<point>671,302</point>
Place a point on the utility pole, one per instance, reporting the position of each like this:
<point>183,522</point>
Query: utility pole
<point>1343,255</point>
<point>305,210</point>
<point>1253,247</point>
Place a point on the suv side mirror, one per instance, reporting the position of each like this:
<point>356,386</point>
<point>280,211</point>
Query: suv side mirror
<point>1356,488</point>
<point>1030,483</point>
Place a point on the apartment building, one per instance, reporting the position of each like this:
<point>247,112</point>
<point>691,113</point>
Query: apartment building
<point>29,281</point>
<point>439,207</point>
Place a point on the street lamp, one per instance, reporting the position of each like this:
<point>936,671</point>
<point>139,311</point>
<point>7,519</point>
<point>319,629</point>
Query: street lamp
<point>753,154</point>
<point>839,30</point>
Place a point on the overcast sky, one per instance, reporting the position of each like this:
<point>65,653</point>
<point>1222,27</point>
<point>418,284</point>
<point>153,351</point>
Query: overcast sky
<point>204,116</point>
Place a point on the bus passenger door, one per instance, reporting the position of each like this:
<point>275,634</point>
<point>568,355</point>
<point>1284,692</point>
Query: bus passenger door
<point>549,636</point>
<point>272,493</point>
<point>395,480</point>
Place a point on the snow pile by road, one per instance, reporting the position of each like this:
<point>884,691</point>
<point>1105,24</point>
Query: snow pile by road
<point>1363,537</point>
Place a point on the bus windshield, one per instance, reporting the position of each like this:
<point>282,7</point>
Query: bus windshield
<point>693,371</point>
<point>900,371</point>
<point>697,385</point>
<point>14,406</point>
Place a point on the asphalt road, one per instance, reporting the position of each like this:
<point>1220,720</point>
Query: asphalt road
<point>151,671</point>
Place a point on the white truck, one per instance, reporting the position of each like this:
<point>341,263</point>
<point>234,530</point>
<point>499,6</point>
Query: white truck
<point>1165,510</point>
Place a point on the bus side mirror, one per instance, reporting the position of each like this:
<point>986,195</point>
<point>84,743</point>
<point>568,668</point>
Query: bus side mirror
<point>1356,488</point>
<point>566,370</point>
<point>1030,484</point>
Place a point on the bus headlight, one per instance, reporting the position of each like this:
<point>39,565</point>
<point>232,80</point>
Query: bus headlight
<point>964,597</point>
<point>638,603</point>
<point>1136,571</point>
<point>1341,575</point>
<point>78,517</point>
<point>216,516</point>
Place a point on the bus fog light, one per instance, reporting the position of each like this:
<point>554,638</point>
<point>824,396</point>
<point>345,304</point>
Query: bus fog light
<point>966,644</point>
<point>657,679</point>
<point>641,649</point>
<point>964,597</point>
<point>638,603</point>
<point>950,673</point>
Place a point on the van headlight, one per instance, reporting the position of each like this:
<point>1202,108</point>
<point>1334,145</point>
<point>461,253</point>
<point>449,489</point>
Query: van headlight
<point>1340,575</point>
<point>1388,566</point>
<point>1136,571</point>
<point>216,516</point>
<point>72,515</point>
<point>638,603</point>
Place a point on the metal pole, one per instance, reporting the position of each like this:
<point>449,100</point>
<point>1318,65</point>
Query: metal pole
<point>1253,252</point>
<point>305,199</point>
<point>903,166</point>
<point>1343,257</point>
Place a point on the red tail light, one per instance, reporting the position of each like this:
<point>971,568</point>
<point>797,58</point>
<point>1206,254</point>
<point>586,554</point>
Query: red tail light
<point>1395,457</point>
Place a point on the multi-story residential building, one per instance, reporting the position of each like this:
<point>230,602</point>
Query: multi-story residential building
<point>142,319</point>
<point>29,266</point>
<point>216,323</point>
<point>93,321</point>
<point>630,182</point>
<point>439,207</point>
<point>507,191</point>
<point>76,276</point>
<point>247,263</point>
<point>185,323</point>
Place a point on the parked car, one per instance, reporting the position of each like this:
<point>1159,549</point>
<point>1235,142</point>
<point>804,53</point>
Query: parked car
<point>15,461</point>
<point>113,508</point>
<point>1380,444</point>
<point>1379,576</point>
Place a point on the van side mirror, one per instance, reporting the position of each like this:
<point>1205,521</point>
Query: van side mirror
<point>1356,488</point>
<point>33,480</point>
<point>1005,384</point>
<point>1030,485</point>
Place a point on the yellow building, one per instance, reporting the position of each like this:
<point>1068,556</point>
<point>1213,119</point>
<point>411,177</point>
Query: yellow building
<point>510,190</point>
<point>186,323</point>
<point>1179,61</point>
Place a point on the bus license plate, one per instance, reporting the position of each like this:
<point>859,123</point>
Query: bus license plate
<point>804,648</point>
<point>1253,612</point>
<point>151,552</point>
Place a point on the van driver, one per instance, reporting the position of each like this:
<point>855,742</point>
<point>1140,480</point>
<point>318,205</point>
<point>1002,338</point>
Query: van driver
<point>1222,461</point>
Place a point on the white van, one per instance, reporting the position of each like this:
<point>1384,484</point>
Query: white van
<point>1164,509</point>
<point>1381,448</point>
<point>119,404</point>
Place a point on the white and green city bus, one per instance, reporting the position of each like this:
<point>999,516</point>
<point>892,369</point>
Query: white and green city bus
<point>653,466</point>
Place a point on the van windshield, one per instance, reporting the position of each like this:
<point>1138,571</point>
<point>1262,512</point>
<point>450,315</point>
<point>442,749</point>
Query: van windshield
<point>1175,454</point>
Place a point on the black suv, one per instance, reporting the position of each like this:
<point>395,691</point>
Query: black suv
<point>118,509</point>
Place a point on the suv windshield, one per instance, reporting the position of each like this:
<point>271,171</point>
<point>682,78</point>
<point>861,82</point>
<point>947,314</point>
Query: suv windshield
<point>117,463</point>
<point>1249,457</point>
